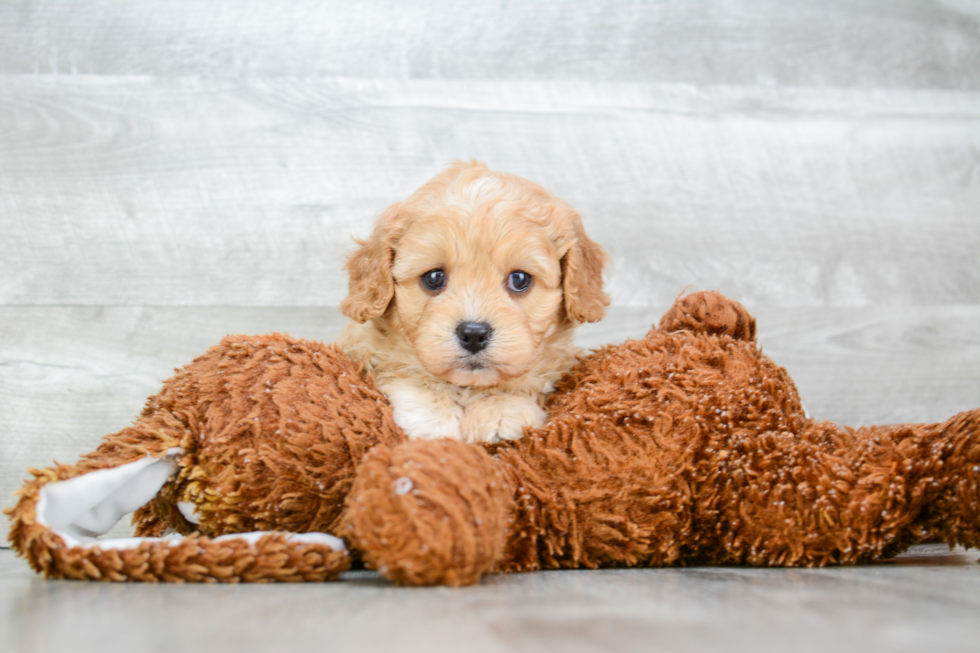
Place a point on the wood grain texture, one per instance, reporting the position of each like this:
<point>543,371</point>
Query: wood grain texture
<point>191,192</point>
<point>831,43</point>
<point>174,170</point>
<point>926,600</point>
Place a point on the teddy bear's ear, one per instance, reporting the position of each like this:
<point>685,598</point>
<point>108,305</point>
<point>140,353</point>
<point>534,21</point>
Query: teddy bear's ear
<point>582,267</point>
<point>709,312</point>
<point>370,283</point>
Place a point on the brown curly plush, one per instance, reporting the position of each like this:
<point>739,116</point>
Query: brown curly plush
<point>709,313</point>
<point>688,446</point>
<point>271,429</point>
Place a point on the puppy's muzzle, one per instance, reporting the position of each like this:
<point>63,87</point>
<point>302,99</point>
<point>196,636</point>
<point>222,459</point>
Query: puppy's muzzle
<point>473,336</point>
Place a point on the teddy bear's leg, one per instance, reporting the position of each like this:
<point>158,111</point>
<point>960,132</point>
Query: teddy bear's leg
<point>64,509</point>
<point>277,426</point>
<point>267,431</point>
<point>149,439</point>
<point>429,512</point>
<point>832,495</point>
<point>709,312</point>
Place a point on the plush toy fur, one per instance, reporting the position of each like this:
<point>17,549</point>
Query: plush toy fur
<point>686,447</point>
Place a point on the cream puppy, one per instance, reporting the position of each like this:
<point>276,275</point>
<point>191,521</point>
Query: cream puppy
<point>464,299</point>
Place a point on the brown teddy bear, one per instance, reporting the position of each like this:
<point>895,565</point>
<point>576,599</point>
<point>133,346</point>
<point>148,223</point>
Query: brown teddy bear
<point>686,447</point>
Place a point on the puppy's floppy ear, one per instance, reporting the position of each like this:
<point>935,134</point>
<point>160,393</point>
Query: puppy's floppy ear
<point>370,285</point>
<point>582,271</point>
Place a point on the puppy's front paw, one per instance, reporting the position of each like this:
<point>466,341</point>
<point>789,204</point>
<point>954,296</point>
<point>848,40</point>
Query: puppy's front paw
<point>500,417</point>
<point>423,415</point>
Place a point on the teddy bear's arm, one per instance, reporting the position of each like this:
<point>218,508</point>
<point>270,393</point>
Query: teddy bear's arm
<point>430,512</point>
<point>689,446</point>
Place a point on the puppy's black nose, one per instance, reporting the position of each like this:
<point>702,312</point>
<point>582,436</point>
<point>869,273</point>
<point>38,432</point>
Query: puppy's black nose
<point>474,336</point>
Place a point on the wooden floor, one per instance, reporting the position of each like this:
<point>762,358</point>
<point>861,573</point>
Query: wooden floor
<point>175,170</point>
<point>927,600</point>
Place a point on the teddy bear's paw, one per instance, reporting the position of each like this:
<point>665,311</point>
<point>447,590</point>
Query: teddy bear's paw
<point>429,512</point>
<point>500,417</point>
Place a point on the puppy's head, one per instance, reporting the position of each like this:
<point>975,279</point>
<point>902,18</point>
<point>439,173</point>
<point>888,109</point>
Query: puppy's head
<point>477,269</point>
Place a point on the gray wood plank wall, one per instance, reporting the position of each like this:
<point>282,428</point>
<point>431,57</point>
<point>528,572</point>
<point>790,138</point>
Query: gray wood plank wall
<point>175,170</point>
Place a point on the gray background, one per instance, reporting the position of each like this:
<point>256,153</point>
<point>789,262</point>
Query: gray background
<point>175,170</point>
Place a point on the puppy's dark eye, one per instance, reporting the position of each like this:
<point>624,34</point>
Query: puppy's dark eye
<point>518,281</point>
<point>434,280</point>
